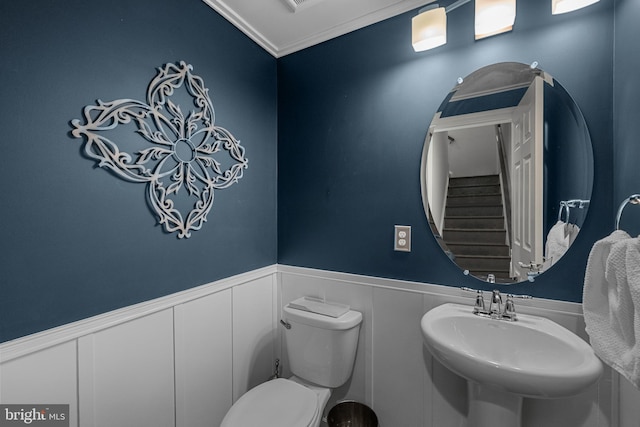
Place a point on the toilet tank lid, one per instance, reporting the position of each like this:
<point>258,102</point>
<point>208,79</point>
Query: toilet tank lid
<point>347,320</point>
<point>316,305</point>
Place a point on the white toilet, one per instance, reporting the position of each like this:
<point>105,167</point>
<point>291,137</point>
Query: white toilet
<point>321,350</point>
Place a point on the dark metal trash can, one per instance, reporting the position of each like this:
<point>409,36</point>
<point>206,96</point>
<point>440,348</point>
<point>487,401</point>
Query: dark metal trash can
<point>352,414</point>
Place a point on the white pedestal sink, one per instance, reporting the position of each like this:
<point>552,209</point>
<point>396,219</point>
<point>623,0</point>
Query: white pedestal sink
<point>504,361</point>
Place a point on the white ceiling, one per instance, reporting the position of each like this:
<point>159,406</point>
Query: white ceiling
<point>281,31</point>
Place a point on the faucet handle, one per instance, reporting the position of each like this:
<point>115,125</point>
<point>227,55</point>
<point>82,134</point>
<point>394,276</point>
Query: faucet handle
<point>509,309</point>
<point>479,305</point>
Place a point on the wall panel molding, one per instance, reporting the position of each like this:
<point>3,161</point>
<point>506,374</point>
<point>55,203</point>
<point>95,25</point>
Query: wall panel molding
<point>49,338</point>
<point>536,304</point>
<point>126,374</point>
<point>219,348</point>
<point>204,355</point>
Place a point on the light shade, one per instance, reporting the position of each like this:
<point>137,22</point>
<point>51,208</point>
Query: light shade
<point>494,17</point>
<point>429,29</point>
<point>563,6</point>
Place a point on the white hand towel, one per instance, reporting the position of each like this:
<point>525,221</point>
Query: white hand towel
<point>596,295</point>
<point>571,232</point>
<point>623,276</point>
<point>595,298</point>
<point>557,243</point>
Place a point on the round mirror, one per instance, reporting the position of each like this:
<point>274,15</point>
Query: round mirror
<point>507,172</point>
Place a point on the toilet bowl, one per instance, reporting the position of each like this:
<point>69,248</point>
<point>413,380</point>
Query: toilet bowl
<point>279,402</point>
<point>321,339</point>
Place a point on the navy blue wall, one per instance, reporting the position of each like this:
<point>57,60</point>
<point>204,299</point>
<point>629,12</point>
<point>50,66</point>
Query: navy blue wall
<point>565,157</point>
<point>626,125</point>
<point>353,114</point>
<point>77,241</point>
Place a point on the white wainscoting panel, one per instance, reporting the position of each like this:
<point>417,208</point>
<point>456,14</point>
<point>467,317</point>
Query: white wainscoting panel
<point>254,334</point>
<point>181,360</point>
<point>404,384</point>
<point>629,404</point>
<point>172,361</point>
<point>395,391</point>
<point>126,375</point>
<point>204,360</point>
<point>44,377</point>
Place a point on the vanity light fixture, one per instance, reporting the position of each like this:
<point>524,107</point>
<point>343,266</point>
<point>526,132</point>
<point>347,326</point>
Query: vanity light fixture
<point>494,17</point>
<point>429,27</point>
<point>564,6</point>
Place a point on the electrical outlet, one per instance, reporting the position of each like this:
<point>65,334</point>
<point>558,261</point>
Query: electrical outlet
<point>402,238</point>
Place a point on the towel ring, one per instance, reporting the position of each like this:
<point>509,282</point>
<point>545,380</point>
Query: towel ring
<point>567,204</point>
<point>566,210</point>
<point>634,200</point>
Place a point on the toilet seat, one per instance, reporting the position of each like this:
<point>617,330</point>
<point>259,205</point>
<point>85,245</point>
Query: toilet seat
<point>276,403</point>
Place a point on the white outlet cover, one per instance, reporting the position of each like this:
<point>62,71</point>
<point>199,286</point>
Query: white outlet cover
<point>402,238</point>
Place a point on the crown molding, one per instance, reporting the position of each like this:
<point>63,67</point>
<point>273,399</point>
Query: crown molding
<point>242,24</point>
<point>304,42</point>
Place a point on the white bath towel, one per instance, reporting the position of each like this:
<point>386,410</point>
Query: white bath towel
<point>623,276</point>
<point>611,303</point>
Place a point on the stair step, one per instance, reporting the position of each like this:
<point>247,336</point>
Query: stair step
<point>474,180</point>
<point>473,190</point>
<point>475,200</point>
<point>454,235</point>
<point>484,222</point>
<point>475,248</point>
<point>486,263</point>
<point>474,226</point>
<point>487,210</point>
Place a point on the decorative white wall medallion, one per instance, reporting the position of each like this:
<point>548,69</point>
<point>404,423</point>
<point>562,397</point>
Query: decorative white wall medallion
<point>180,150</point>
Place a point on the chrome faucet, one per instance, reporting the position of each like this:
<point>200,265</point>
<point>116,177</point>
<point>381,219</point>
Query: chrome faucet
<point>496,309</point>
<point>496,304</point>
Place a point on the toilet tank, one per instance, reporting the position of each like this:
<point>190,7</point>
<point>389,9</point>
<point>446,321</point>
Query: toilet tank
<point>322,349</point>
